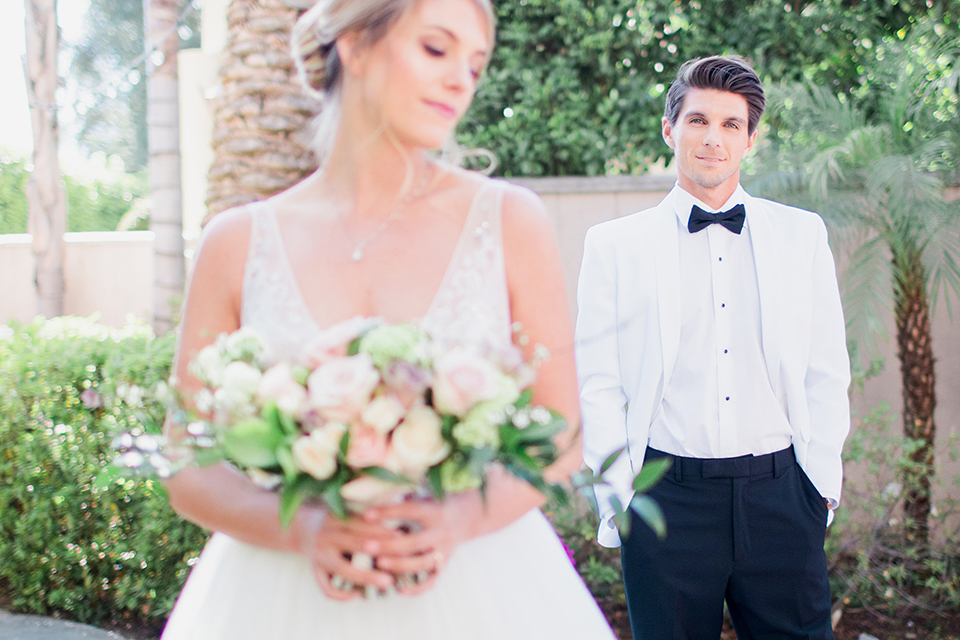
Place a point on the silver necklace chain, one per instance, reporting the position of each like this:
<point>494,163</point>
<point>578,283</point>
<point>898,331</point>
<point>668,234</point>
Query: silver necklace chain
<point>357,254</point>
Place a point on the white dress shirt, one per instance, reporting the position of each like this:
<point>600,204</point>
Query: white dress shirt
<point>719,403</point>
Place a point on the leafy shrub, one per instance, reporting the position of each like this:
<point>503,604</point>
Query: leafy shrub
<point>576,524</point>
<point>575,87</point>
<point>66,387</point>
<point>874,564</point>
<point>93,204</point>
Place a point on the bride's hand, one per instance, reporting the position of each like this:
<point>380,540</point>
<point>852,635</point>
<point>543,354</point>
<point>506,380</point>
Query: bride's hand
<point>329,542</point>
<point>442,527</point>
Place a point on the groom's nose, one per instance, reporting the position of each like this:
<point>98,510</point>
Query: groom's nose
<point>711,137</point>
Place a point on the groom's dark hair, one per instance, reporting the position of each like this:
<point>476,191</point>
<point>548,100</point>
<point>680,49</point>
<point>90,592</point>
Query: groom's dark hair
<point>723,73</point>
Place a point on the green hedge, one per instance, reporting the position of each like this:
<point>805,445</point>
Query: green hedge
<point>575,87</point>
<point>93,204</point>
<point>66,387</point>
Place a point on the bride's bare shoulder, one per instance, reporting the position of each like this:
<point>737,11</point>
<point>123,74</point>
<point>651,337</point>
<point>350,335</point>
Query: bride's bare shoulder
<point>227,234</point>
<point>526,220</point>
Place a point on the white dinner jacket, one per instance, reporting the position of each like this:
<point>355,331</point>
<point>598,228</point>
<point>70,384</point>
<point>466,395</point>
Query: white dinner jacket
<point>628,335</point>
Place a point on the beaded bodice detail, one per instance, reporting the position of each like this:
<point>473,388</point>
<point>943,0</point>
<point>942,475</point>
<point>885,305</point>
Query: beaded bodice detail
<point>471,306</point>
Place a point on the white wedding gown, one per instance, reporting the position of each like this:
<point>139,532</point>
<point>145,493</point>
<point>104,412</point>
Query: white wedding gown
<point>516,583</point>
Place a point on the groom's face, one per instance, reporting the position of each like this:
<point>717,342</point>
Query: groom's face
<point>709,139</point>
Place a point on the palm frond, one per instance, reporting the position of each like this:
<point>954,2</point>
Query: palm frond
<point>941,256</point>
<point>865,291</point>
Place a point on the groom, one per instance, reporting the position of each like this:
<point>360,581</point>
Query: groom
<point>710,332</point>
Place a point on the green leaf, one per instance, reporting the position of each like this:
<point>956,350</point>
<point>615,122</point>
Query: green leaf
<point>621,518</point>
<point>253,443</point>
<point>288,425</point>
<point>292,496</point>
<point>207,457</point>
<point>287,463</point>
<point>300,373</point>
<point>354,347</point>
<point>331,495</point>
<point>384,474</point>
<point>434,482</point>
<point>448,423</point>
<point>540,433</point>
<point>650,512</point>
<point>651,473</point>
<point>524,398</point>
<point>611,459</point>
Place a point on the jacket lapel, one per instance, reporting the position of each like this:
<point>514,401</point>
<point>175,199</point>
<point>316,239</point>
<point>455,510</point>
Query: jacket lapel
<point>767,260</point>
<point>667,251</point>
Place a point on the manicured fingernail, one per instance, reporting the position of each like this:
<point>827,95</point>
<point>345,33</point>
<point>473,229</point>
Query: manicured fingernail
<point>371,546</point>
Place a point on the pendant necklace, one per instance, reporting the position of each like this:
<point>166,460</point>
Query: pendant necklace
<point>357,254</point>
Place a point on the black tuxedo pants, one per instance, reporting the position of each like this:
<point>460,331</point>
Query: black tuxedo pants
<point>747,530</point>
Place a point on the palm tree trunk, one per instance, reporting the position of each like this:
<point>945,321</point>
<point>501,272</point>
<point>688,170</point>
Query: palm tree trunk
<point>261,108</point>
<point>47,200</point>
<point>919,396</point>
<point>163,133</point>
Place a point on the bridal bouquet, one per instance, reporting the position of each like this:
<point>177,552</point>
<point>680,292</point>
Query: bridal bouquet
<point>369,414</point>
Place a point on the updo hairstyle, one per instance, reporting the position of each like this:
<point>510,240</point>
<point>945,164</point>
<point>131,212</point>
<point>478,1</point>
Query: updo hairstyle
<point>315,52</point>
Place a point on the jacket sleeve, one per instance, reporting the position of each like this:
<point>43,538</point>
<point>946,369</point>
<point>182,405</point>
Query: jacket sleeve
<point>603,401</point>
<point>827,378</point>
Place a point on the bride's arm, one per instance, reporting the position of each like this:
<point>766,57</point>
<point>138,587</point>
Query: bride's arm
<point>538,301</point>
<point>218,497</point>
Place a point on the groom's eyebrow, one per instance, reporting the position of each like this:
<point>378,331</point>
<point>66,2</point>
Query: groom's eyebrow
<point>699,114</point>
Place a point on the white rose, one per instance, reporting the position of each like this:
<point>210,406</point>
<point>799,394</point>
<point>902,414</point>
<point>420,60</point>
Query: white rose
<point>462,380</point>
<point>341,388</point>
<point>231,404</point>
<point>204,401</point>
<point>244,344</point>
<point>241,377</point>
<point>279,385</point>
<point>208,366</point>
<point>316,453</point>
<point>383,413</point>
<point>418,441</point>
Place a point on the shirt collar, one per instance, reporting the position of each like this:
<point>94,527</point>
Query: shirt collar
<point>683,202</point>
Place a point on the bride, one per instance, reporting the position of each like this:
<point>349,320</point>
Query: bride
<point>385,230</point>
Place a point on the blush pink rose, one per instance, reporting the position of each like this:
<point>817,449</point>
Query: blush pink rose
<point>316,453</point>
<point>383,413</point>
<point>462,379</point>
<point>368,447</point>
<point>278,384</point>
<point>341,388</point>
<point>334,341</point>
<point>418,444</point>
<point>366,491</point>
<point>407,382</point>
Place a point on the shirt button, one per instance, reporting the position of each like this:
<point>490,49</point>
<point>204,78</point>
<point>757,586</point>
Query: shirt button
<point>728,398</point>
<point>723,305</point>
<point>724,350</point>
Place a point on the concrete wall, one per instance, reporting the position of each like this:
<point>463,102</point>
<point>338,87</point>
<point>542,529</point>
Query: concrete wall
<point>110,274</point>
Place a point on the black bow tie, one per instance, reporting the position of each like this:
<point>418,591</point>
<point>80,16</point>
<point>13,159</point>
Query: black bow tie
<point>732,219</point>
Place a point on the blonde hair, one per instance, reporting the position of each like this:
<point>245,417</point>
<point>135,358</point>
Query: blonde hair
<point>318,64</point>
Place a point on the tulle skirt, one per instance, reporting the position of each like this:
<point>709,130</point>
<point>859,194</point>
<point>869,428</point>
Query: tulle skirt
<point>517,583</point>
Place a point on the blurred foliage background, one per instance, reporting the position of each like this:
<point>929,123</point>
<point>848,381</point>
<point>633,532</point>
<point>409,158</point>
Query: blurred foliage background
<point>576,87</point>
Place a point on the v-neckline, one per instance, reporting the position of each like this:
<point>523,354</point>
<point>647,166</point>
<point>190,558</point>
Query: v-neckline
<point>287,266</point>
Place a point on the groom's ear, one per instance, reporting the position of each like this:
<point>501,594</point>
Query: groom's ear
<point>668,133</point>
